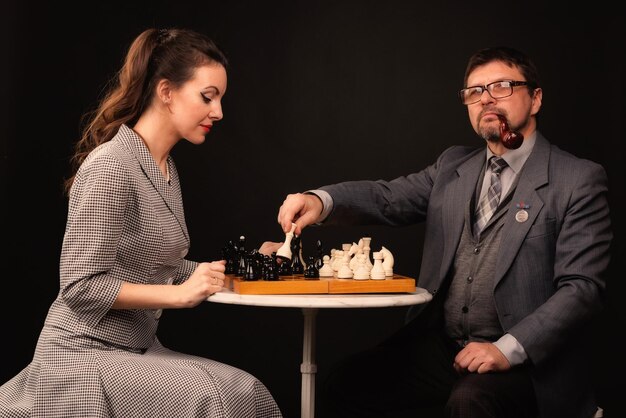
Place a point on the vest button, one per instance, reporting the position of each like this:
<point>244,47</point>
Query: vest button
<point>476,250</point>
<point>464,309</point>
<point>470,279</point>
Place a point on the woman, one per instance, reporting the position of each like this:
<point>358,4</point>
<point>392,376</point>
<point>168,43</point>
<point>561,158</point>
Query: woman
<point>122,259</point>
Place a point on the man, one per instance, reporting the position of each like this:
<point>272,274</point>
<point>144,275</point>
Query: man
<point>515,255</point>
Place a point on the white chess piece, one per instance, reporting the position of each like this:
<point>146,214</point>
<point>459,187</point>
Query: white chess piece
<point>344,271</point>
<point>337,261</point>
<point>332,256</point>
<point>284,251</point>
<point>387,262</point>
<point>354,251</point>
<point>326,270</point>
<point>366,251</point>
<point>361,272</point>
<point>378,272</point>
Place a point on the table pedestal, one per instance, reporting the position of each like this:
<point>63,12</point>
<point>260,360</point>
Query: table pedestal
<point>308,368</point>
<point>310,304</point>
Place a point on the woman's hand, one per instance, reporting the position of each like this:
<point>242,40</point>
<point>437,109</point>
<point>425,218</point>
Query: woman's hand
<point>206,279</point>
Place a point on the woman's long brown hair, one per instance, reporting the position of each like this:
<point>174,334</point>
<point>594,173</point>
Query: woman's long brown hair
<point>171,54</point>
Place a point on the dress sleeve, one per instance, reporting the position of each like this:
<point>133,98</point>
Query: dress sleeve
<point>98,201</point>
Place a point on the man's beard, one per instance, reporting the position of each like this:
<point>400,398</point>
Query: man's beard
<point>490,134</point>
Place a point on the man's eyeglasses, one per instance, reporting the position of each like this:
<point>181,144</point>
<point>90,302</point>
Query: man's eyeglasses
<point>497,90</point>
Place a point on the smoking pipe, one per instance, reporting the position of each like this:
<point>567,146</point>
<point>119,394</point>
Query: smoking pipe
<point>511,140</point>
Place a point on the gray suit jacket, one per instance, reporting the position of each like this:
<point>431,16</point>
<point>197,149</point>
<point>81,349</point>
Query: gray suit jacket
<point>550,275</point>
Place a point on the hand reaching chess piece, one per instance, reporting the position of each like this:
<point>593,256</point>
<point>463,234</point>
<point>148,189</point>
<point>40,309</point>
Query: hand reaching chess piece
<point>510,139</point>
<point>284,252</point>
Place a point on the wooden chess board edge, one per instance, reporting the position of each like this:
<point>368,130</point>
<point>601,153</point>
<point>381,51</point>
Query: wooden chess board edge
<point>298,285</point>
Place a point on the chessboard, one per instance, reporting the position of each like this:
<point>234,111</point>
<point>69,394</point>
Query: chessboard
<point>299,285</point>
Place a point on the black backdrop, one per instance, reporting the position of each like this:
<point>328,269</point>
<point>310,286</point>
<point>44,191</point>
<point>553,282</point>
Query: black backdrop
<point>318,92</point>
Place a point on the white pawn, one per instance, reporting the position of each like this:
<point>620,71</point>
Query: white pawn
<point>387,262</point>
<point>332,256</point>
<point>284,251</point>
<point>378,272</point>
<point>361,272</point>
<point>344,271</point>
<point>326,270</point>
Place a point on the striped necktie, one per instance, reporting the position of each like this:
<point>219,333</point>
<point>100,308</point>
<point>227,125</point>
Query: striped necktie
<point>488,204</point>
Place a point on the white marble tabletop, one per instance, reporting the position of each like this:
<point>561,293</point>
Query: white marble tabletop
<point>352,300</point>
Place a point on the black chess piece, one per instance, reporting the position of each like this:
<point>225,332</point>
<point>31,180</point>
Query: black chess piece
<point>319,259</point>
<point>284,268</point>
<point>230,255</point>
<point>297,266</point>
<point>254,266</point>
<point>271,268</point>
<point>241,257</point>
<point>250,274</point>
<point>257,264</point>
<point>311,272</point>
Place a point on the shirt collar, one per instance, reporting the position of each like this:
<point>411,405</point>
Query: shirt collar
<point>516,158</point>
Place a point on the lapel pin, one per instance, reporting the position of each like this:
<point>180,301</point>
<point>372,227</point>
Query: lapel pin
<point>522,214</point>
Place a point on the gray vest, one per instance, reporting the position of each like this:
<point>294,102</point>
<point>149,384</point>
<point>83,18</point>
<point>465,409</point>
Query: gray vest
<point>469,309</point>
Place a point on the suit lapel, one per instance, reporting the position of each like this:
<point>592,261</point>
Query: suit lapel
<point>458,194</point>
<point>534,175</point>
<point>170,193</point>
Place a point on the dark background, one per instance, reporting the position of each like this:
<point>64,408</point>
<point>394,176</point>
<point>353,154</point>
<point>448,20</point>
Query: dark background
<point>318,92</point>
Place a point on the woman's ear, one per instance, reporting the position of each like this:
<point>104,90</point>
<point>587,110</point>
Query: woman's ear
<point>164,91</point>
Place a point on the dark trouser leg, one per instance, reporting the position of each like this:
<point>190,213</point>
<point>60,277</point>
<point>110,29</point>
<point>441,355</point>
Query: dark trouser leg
<point>413,372</point>
<point>406,373</point>
<point>493,395</point>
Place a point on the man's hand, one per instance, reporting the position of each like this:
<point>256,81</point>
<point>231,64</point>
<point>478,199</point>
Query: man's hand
<point>301,209</point>
<point>480,358</point>
<point>269,247</point>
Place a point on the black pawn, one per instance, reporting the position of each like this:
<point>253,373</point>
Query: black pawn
<point>311,271</point>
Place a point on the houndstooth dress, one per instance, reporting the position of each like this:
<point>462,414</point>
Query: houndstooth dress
<point>125,223</point>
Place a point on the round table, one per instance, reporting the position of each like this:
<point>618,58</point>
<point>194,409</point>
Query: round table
<point>310,303</point>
